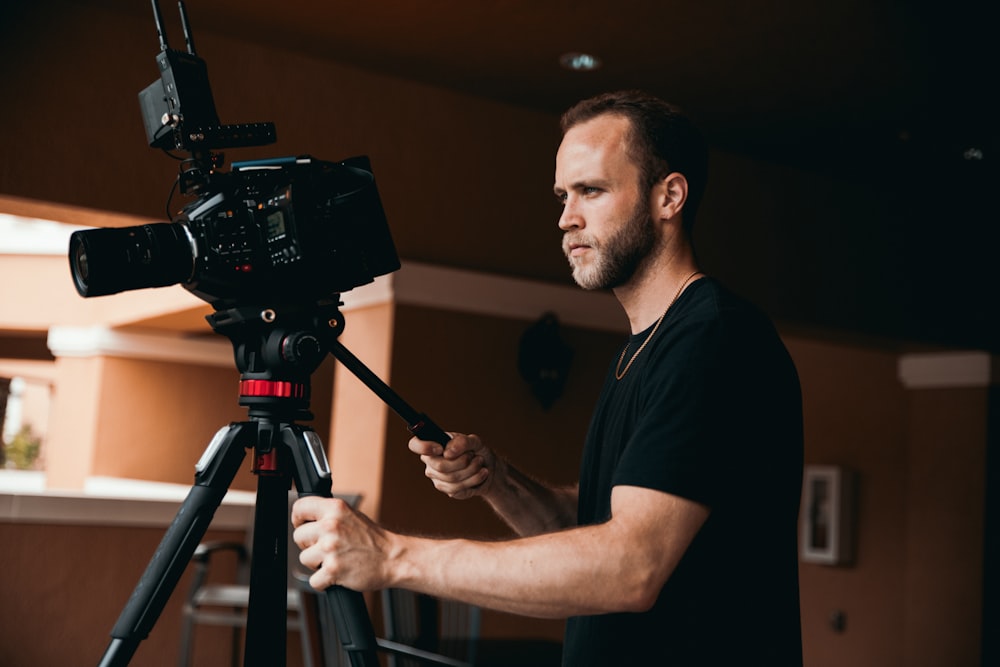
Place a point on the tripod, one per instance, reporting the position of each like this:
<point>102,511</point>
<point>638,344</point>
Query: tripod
<point>276,351</point>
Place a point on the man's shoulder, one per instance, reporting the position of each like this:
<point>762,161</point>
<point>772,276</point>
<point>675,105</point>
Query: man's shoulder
<point>715,325</point>
<point>710,295</point>
<point>710,303</point>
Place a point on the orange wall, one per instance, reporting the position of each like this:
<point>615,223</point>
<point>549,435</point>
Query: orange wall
<point>855,416</point>
<point>151,420</point>
<point>945,494</point>
<point>64,587</point>
<point>913,596</point>
<point>465,378</point>
<point>357,442</point>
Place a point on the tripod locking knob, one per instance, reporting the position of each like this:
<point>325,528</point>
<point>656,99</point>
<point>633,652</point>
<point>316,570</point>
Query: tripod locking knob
<point>302,348</point>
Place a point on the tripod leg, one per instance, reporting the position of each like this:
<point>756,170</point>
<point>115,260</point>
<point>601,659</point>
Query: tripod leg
<point>214,472</point>
<point>267,614</point>
<point>350,614</point>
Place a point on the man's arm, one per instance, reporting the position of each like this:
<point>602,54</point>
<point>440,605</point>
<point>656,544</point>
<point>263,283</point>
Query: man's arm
<point>468,468</point>
<point>619,565</point>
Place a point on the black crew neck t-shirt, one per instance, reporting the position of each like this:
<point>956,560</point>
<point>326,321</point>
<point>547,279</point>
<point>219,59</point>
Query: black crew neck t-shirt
<point>710,410</point>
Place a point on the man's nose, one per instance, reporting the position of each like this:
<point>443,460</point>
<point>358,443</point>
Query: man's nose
<point>570,217</point>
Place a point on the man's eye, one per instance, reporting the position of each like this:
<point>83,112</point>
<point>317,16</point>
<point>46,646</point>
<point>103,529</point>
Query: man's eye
<point>591,190</point>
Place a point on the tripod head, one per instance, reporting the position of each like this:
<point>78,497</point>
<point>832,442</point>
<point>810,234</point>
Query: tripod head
<point>276,350</point>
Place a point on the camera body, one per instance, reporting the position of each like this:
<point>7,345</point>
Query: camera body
<point>302,229</point>
<point>291,230</point>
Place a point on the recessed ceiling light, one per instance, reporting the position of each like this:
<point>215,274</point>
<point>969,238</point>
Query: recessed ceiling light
<point>580,62</point>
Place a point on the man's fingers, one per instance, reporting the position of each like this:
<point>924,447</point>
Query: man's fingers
<point>425,447</point>
<point>448,466</point>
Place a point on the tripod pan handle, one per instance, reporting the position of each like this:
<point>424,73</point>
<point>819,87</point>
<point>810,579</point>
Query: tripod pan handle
<point>425,429</point>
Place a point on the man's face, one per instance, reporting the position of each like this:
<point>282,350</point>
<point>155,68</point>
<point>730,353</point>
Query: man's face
<point>606,216</point>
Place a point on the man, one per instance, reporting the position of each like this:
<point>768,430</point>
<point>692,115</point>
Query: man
<point>678,545</point>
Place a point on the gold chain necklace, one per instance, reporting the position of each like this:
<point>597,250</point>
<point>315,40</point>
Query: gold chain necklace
<point>619,372</point>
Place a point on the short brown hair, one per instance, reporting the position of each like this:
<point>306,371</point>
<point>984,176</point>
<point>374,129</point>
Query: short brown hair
<point>662,138</point>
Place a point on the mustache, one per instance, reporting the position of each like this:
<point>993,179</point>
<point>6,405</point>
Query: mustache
<point>577,239</point>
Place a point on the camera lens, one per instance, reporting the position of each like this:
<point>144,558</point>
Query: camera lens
<point>107,261</point>
<point>79,263</point>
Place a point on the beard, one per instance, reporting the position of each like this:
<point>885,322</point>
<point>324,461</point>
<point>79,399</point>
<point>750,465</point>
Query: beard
<point>618,257</point>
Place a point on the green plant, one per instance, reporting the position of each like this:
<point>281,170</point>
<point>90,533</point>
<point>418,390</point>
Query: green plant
<point>23,449</point>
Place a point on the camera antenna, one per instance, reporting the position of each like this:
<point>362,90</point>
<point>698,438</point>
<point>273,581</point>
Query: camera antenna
<point>179,112</point>
<point>160,30</point>
<point>188,36</point>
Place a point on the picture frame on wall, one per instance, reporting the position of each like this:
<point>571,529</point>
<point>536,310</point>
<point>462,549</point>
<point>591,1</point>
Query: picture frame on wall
<point>827,515</point>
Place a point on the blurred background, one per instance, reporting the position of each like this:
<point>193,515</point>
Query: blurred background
<point>853,167</point>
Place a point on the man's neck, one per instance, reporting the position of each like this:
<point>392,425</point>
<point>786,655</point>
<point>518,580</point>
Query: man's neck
<point>652,290</point>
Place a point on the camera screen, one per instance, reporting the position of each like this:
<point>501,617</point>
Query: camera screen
<point>275,225</point>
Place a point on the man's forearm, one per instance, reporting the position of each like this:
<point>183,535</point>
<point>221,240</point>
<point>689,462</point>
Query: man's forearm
<point>529,506</point>
<point>554,575</point>
<point>616,566</point>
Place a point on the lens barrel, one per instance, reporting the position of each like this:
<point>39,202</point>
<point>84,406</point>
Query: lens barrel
<point>111,260</point>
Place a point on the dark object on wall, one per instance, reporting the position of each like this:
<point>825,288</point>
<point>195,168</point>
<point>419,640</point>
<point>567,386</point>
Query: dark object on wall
<point>543,359</point>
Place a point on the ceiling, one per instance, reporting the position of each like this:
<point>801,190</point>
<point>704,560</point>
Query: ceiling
<point>899,93</point>
<point>808,82</point>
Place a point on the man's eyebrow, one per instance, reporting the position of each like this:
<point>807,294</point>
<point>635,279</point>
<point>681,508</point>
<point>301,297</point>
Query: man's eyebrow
<point>576,185</point>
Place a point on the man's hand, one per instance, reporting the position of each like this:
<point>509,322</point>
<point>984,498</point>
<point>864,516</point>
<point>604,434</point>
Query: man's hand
<point>343,546</point>
<point>464,469</point>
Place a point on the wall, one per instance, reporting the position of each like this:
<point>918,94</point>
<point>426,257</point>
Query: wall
<point>65,585</point>
<point>466,379</point>
<point>912,597</point>
<point>913,594</point>
<point>946,488</point>
<point>854,410</point>
<point>358,417</point>
<point>149,419</point>
<point>448,166</point>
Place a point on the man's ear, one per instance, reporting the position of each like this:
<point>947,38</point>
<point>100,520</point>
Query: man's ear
<point>671,194</point>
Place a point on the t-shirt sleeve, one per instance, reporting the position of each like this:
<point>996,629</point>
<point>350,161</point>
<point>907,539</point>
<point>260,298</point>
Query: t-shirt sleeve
<point>682,437</point>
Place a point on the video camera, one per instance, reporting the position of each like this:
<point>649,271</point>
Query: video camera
<point>295,230</point>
